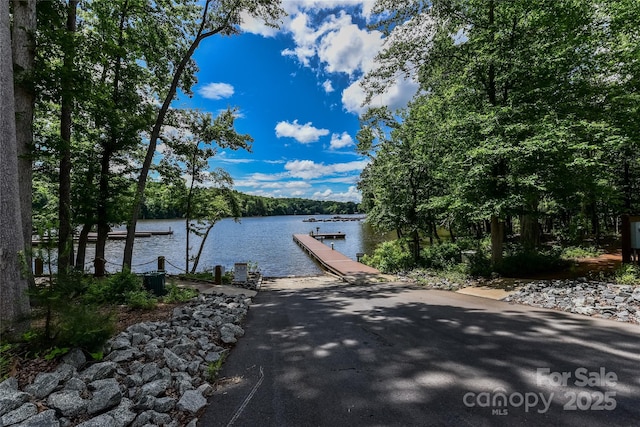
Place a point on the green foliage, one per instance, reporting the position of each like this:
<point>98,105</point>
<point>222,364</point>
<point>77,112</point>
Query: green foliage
<point>84,326</point>
<point>97,355</point>
<point>213,369</point>
<point>113,289</point>
<point>390,257</point>
<point>164,200</point>
<point>489,138</point>
<point>577,252</point>
<point>6,358</point>
<point>141,299</point>
<point>521,263</point>
<point>227,278</point>
<point>56,352</point>
<point>441,256</point>
<point>176,294</point>
<point>628,274</point>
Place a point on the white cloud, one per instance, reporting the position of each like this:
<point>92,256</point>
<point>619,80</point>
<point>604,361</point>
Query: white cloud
<point>304,134</point>
<point>322,195</point>
<point>349,49</point>
<point>216,90</point>
<point>341,141</point>
<point>395,97</point>
<point>351,195</point>
<point>256,26</point>
<point>308,169</point>
<point>340,46</point>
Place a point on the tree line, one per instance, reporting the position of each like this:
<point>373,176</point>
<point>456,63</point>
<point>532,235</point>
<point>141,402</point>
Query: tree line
<point>162,201</point>
<point>525,123</point>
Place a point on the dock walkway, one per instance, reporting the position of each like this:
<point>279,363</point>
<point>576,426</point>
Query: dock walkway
<point>331,259</point>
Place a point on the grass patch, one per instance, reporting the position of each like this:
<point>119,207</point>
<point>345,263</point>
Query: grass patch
<point>6,359</point>
<point>577,252</point>
<point>627,274</point>
<point>214,368</point>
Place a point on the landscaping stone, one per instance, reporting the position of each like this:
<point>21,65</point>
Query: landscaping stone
<point>590,298</point>
<point>69,403</point>
<point>24,412</point>
<point>44,384</point>
<point>192,401</point>
<point>43,419</point>
<point>106,394</point>
<point>152,374</point>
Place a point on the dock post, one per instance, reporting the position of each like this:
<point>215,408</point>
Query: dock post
<point>218,275</point>
<point>39,268</point>
<point>160,263</point>
<point>98,265</point>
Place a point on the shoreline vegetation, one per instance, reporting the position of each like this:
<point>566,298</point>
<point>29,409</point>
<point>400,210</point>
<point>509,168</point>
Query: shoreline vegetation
<point>163,202</point>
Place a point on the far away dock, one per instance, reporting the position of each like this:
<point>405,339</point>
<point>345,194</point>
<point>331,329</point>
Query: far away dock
<point>332,260</point>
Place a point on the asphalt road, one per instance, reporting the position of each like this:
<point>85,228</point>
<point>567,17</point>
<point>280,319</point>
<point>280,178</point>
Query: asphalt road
<point>318,352</point>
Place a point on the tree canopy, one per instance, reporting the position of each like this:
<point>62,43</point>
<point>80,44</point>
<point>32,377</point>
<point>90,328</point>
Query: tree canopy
<point>522,118</point>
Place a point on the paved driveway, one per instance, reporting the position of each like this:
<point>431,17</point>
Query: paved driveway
<point>318,352</point>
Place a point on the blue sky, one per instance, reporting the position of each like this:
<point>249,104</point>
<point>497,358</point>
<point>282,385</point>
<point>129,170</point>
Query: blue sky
<point>297,93</point>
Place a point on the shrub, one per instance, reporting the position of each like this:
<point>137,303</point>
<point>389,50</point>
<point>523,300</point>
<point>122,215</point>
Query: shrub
<point>227,278</point>
<point>84,326</point>
<point>575,252</point>
<point>628,274</point>
<point>6,359</point>
<point>140,299</point>
<point>519,263</point>
<point>390,257</point>
<point>176,294</point>
<point>113,289</point>
<point>442,256</point>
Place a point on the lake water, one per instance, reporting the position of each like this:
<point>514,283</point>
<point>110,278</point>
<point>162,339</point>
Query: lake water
<point>265,241</point>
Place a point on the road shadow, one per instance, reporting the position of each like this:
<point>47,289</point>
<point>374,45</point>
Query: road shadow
<point>391,354</point>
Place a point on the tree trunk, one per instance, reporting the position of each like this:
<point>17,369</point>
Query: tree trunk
<point>187,230</point>
<point>102,218</point>
<point>529,226</point>
<point>497,241</point>
<point>14,302</point>
<point>65,232</point>
<point>23,39</point>
<point>529,231</point>
<point>204,239</point>
<point>434,229</point>
<point>157,127</point>
<point>415,245</point>
<point>82,247</point>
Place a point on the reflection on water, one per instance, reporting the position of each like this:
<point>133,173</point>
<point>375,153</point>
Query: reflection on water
<point>266,241</point>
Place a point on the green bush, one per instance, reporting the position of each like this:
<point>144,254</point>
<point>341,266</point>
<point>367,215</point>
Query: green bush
<point>141,299</point>
<point>524,263</point>
<point>113,289</point>
<point>575,252</point>
<point>227,278</point>
<point>390,257</point>
<point>6,359</point>
<point>628,274</point>
<point>84,326</point>
<point>442,256</point>
<point>479,264</point>
<point>176,294</point>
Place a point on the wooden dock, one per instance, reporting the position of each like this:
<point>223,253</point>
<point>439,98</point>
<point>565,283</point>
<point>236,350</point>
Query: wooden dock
<point>320,236</point>
<point>332,260</point>
<point>112,235</point>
